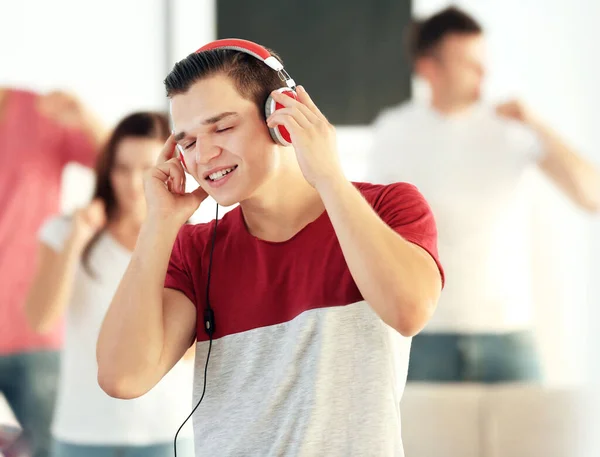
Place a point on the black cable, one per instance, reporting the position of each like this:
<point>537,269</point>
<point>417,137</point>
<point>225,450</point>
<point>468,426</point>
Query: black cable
<point>209,327</point>
<point>200,401</point>
<point>209,318</point>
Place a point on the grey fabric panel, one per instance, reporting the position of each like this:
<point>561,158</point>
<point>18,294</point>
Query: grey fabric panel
<point>327,383</point>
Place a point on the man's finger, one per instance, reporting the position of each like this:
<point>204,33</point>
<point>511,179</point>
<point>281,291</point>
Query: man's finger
<point>290,102</point>
<point>294,112</point>
<point>305,99</point>
<point>168,150</point>
<point>288,121</point>
<point>171,172</point>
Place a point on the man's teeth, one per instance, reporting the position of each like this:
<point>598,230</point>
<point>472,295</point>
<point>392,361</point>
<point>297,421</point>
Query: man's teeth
<point>219,174</point>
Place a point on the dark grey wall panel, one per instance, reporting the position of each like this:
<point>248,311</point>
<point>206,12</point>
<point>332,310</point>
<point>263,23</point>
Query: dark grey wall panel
<point>347,53</point>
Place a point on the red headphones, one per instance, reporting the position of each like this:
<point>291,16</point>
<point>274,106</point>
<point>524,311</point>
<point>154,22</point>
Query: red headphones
<point>279,134</point>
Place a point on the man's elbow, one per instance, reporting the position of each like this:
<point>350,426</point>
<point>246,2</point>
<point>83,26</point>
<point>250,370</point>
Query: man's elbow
<point>118,386</point>
<point>411,317</point>
<point>584,193</point>
<point>416,299</point>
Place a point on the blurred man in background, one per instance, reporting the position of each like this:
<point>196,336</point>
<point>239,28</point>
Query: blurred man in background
<point>39,135</point>
<point>468,159</point>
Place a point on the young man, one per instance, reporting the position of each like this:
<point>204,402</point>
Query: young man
<point>469,159</point>
<point>316,283</point>
<point>39,135</point>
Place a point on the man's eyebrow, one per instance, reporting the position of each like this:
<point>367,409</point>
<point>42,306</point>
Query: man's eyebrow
<point>211,120</point>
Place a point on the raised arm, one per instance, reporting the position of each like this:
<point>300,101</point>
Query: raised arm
<point>395,274</point>
<point>149,328</point>
<point>70,112</point>
<point>60,250</point>
<point>575,176</point>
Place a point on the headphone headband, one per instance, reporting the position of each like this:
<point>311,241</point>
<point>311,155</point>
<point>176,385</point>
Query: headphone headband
<point>255,50</point>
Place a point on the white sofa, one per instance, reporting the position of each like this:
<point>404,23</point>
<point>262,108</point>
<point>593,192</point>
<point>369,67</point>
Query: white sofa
<point>446,420</point>
<point>477,421</point>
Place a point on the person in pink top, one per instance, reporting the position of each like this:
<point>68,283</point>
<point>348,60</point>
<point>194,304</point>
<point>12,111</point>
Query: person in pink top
<point>39,135</point>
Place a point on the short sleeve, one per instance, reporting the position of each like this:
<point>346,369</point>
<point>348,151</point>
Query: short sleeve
<point>402,207</point>
<point>55,231</point>
<point>179,276</point>
<point>526,142</point>
<point>77,146</point>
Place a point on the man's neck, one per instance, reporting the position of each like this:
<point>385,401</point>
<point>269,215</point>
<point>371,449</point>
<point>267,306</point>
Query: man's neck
<point>450,108</point>
<point>283,207</point>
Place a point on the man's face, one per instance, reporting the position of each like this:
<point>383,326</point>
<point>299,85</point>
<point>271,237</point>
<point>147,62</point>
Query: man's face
<point>225,142</point>
<point>456,69</point>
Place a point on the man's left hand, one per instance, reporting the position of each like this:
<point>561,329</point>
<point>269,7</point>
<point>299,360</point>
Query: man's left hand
<point>313,137</point>
<point>515,110</point>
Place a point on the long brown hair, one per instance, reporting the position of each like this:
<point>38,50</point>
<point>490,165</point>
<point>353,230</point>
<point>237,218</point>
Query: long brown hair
<point>147,124</point>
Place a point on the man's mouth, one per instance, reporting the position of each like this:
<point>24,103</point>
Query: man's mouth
<point>217,175</point>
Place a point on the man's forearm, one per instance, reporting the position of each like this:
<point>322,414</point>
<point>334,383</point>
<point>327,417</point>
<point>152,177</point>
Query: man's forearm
<point>397,278</point>
<point>131,339</point>
<point>576,176</point>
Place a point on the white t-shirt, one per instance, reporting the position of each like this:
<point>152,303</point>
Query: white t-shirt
<point>470,168</point>
<point>84,413</point>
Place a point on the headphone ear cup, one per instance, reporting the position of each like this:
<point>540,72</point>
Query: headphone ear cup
<point>279,133</point>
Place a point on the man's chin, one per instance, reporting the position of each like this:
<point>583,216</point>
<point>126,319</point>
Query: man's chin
<point>232,195</point>
<point>225,200</point>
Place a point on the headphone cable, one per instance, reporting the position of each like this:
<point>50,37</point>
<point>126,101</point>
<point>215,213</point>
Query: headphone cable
<point>209,327</point>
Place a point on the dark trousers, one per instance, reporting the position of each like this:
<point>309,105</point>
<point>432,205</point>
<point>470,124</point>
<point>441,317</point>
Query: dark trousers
<point>29,383</point>
<point>480,358</point>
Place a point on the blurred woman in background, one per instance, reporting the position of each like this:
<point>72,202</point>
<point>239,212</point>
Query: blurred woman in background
<point>81,261</point>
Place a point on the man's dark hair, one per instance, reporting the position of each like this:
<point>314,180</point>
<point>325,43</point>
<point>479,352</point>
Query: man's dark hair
<point>425,35</point>
<point>253,79</point>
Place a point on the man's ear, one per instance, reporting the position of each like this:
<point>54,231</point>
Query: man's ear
<point>423,67</point>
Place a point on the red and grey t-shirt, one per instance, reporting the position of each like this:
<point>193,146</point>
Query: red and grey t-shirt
<point>300,364</point>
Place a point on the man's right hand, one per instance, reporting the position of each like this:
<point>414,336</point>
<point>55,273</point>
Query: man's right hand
<point>165,190</point>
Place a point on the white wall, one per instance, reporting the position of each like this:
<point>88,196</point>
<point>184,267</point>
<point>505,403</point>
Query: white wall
<point>109,52</point>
